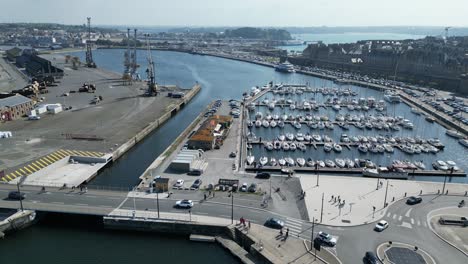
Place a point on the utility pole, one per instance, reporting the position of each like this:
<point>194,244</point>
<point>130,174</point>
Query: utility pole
<point>312,235</point>
<point>385,200</point>
<point>232,208</point>
<point>445,181</point>
<point>20,181</point>
<point>157,202</point>
<point>318,174</point>
<point>321,210</point>
<point>376,188</point>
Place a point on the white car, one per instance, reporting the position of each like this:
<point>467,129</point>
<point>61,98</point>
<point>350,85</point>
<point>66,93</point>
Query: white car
<point>179,183</point>
<point>184,204</point>
<point>381,226</point>
<point>244,187</point>
<point>327,238</point>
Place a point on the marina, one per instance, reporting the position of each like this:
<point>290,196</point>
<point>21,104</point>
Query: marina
<point>342,129</point>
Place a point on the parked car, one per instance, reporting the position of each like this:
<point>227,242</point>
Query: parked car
<point>252,188</point>
<point>413,200</point>
<point>194,173</point>
<point>263,175</point>
<point>15,195</point>
<point>232,154</point>
<point>370,258</point>
<point>196,184</point>
<point>326,239</point>
<point>179,183</point>
<point>274,223</point>
<point>381,226</point>
<point>184,204</point>
<point>34,117</point>
<point>243,188</point>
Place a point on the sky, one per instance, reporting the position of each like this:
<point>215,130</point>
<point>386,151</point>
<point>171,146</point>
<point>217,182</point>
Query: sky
<point>275,13</point>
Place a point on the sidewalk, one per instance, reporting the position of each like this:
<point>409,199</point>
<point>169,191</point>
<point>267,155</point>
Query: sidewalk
<point>360,195</point>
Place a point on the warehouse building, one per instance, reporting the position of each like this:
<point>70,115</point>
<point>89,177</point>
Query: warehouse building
<point>14,107</point>
<point>211,133</point>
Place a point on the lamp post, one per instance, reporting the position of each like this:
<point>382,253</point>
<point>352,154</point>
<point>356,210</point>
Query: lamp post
<point>445,181</point>
<point>232,208</point>
<point>321,209</point>
<point>385,200</point>
<point>157,202</point>
<point>312,235</point>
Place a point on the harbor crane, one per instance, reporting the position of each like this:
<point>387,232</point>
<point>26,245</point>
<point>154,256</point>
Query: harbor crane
<point>89,54</point>
<point>152,86</point>
<point>130,58</point>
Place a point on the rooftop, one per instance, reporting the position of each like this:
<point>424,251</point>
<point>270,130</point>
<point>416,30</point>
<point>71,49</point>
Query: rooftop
<point>13,101</point>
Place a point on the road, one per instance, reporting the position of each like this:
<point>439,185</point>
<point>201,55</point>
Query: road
<point>408,224</point>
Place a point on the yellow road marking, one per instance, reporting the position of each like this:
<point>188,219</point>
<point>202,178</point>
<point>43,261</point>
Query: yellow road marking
<point>45,162</point>
<point>4,179</point>
<point>81,153</point>
<point>22,171</point>
<point>56,156</point>
<point>8,176</point>
<point>19,174</point>
<point>35,166</point>
<point>48,160</point>
<point>43,165</point>
<point>32,168</point>
<point>27,170</point>
<point>62,153</point>
<point>69,152</point>
<point>89,153</point>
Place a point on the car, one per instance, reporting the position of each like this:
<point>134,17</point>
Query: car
<point>252,188</point>
<point>243,188</point>
<point>179,183</point>
<point>274,223</point>
<point>326,238</point>
<point>194,173</point>
<point>263,175</point>
<point>34,117</point>
<point>196,184</point>
<point>15,195</point>
<point>370,258</point>
<point>232,154</point>
<point>184,204</point>
<point>381,226</point>
<point>413,200</point>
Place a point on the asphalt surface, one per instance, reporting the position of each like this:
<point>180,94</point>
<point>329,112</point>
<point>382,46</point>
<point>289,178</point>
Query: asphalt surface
<point>407,224</point>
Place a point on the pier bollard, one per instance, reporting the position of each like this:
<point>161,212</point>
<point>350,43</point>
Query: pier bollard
<point>466,193</point>
<point>420,192</point>
<point>393,199</point>
<point>405,194</point>
<point>446,192</point>
<point>438,191</point>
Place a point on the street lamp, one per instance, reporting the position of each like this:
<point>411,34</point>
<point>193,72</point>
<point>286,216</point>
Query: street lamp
<point>20,181</point>
<point>321,210</point>
<point>232,207</point>
<point>157,202</point>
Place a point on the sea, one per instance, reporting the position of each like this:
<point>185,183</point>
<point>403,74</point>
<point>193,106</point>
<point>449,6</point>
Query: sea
<point>83,240</point>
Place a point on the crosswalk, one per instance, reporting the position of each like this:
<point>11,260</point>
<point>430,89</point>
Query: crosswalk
<point>294,225</point>
<point>408,221</point>
<point>45,161</point>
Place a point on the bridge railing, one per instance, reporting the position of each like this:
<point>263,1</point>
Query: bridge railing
<point>51,184</point>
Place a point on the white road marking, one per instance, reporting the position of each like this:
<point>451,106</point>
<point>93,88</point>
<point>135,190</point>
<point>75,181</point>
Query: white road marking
<point>389,214</point>
<point>80,204</point>
<point>57,202</point>
<point>407,225</point>
<point>394,216</point>
<point>412,221</point>
<point>399,218</point>
<point>408,212</point>
<point>419,223</point>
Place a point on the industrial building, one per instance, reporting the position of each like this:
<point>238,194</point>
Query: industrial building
<point>211,133</point>
<point>188,160</point>
<point>14,107</point>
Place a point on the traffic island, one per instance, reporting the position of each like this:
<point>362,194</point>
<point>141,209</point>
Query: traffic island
<point>452,228</point>
<point>400,253</point>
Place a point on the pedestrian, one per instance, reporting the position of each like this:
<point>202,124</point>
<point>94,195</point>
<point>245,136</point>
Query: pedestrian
<point>249,224</point>
<point>73,188</point>
<point>287,232</point>
<point>204,196</point>
<point>343,202</point>
<point>209,193</point>
<point>244,223</point>
<point>86,189</point>
<point>281,231</point>
<point>339,200</point>
<point>332,198</point>
<point>334,201</point>
<point>213,194</point>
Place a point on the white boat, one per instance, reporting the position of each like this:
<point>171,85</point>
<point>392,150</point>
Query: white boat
<point>301,146</point>
<point>420,165</point>
<point>407,149</point>
<point>454,133</point>
<point>250,159</point>
<point>310,162</point>
<point>307,137</point>
<point>281,137</point>
<point>273,123</point>
<point>329,125</point>
<point>327,147</point>
<point>297,125</point>
<point>337,148</point>
<point>452,164</point>
<point>300,162</point>
<point>313,125</point>
<point>336,107</point>
<point>258,123</point>
<point>263,161</point>
<point>464,142</point>
<point>299,137</point>
<point>285,146</point>
<point>292,146</point>
<point>388,148</point>
<point>290,161</point>
<point>440,165</point>
<point>349,163</point>
<point>416,111</point>
<point>321,125</point>
<point>265,123</point>
<point>330,163</point>
<point>269,146</point>
<point>259,115</point>
<point>321,163</point>
<point>290,136</point>
<point>326,138</point>
<point>282,162</point>
<point>268,117</point>
<point>285,67</point>
<point>273,162</point>
<point>292,106</point>
<point>340,163</point>
<point>277,145</point>
<point>383,172</point>
<point>317,138</point>
<point>281,123</point>
<point>363,148</point>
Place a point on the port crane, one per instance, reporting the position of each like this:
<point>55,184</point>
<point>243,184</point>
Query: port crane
<point>130,58</point>
<point>152,86</point>
<point>89,54</point>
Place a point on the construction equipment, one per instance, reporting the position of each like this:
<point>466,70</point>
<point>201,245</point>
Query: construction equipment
<point>89,55</point>
<point>87,88</point>
<point>152,86</point>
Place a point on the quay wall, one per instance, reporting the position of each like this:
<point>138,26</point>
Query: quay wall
<point>155,124</point>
